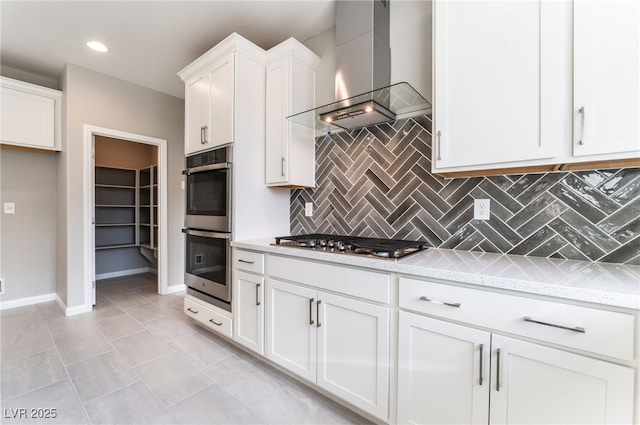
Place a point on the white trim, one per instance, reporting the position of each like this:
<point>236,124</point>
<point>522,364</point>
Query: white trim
<point>61,303</point>
<point>175,288</point>
<point>71,311</point>
<point>22,302</point>
<point>121,273</point>
<point>89,132</point>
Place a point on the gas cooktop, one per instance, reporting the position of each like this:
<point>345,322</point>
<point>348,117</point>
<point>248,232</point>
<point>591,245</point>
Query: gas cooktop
<point>391,249</point>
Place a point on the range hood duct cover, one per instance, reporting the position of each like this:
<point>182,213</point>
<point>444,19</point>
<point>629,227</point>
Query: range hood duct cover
<point>363,72</point>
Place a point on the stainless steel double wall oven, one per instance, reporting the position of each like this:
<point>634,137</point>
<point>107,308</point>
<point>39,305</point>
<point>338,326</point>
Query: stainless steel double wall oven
<point>208,226</point>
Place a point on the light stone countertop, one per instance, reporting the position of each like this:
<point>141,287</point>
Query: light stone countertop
<point>601,283</point>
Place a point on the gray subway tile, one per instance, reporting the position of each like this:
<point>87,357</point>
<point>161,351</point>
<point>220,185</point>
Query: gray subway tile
<point>582,244</point>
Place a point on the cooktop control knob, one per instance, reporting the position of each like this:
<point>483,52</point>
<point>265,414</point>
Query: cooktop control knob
<point>341,247</point>
<point>323,243</point>
<point>312,243</point>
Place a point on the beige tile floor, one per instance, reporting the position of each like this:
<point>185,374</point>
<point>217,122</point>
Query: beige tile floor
<point>137,359</point>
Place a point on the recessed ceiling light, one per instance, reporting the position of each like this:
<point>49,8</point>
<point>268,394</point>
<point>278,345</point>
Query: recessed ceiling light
<point>97,46</point>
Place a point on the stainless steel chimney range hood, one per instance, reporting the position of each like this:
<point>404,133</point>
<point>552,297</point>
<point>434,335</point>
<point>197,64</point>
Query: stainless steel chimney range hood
<point>363,68</point>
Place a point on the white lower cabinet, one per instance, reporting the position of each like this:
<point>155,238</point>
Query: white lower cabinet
<point>540,385</point>
<point>249,318</point>
<point>452,374</point>
<point>209,316</point>
<point>339,343</point>
<point>443,372</point>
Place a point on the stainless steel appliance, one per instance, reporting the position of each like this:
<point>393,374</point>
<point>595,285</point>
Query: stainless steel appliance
<point>390,249</point>
<point>208,227</point>
<point>208,190</point>
<point>208,266</point>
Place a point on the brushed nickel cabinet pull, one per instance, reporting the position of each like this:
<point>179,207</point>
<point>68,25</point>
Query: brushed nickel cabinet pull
<point>258,294</point>
<point>456,305</point>
<point>481,366</point>
<point>553,325</point>
<point>311,301</point>
<point>245,261</point>
<point>582,118</point>
<point>318,313</point>
<point>498,369</point>
<point>439,136</point>
<point>203,134</point>
<point>193,311</point>
<point>215,323</point>
<point>282,166</point>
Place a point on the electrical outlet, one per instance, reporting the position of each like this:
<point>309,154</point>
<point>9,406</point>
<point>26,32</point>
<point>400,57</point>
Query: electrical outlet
<point>9,208</point>
<point>308,209</point>
<point>481,209</point>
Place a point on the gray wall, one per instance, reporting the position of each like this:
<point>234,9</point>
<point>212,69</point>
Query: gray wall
<point>99,100</point>
<point>28,237</point>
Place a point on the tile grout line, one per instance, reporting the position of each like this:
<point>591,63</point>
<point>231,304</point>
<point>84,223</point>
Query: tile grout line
<point>66,371</point>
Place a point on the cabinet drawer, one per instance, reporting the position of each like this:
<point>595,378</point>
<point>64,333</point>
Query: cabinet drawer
<point>345,280</point>
<point>598,331</point>
<point>208,317</point>
<point>248,261</point>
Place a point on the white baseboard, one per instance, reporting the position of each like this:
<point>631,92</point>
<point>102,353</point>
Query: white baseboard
<point>70,311</point>
<point>22,302</point>
<point>121,273</point>
<point>175,288</point>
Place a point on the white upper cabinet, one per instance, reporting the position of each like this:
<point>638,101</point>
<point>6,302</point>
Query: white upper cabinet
<point>222,86</point>
<point>31,116</point>
<point>290,147</point>
<point>196,107</point>
<point>209,106</point>
<point>535,83</point>
<point>606,85</point>
<point>494,65</point>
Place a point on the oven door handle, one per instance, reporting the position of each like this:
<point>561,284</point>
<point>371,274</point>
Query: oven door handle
<point>207,234</point>
<point>210,167</point>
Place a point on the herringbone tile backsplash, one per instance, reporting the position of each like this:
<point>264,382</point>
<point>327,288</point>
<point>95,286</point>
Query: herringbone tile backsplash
<point>377,182</point>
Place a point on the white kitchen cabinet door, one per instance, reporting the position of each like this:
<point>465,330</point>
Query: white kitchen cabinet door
<point>291,328</point>
<point>540,385</point>
<point>196,114</point>
<point>278,96</point>
<point>221,102</point>
<point>353,352</point>
<point>443,372</point>
<point>31,115</point>
<point>606,96</point>
<point>496,67</point>
<point>248,297</point>
<point>290,146</point>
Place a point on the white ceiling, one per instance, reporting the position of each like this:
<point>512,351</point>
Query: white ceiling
<point>150,41</point>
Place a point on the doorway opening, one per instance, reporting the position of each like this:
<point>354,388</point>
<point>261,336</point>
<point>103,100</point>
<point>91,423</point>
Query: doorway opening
<point>125,213</point>
<point>126,221</point>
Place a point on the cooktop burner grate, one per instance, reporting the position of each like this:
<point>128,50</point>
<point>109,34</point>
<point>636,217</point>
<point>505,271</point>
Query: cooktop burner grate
<point>355,245</point>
